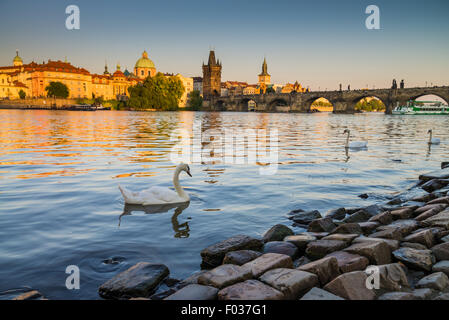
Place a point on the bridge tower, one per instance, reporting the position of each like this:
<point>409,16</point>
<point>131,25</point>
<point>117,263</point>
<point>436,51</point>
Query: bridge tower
<point>211,77</point>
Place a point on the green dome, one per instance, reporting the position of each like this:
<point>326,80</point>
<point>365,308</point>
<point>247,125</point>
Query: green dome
<point>17,58</point>
<point>144,62</point>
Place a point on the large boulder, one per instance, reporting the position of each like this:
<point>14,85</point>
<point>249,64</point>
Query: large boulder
<point>213,255</point>
<point>305,218</point>
<point>194,292</point>
<point>404,226</point>
<point>320,294</point>
<point>444,200</point>
<point>424,237</point>
<point>383,218</point>
<point>320,248</point>
<point>267,262</point>
<point>292,283</point>
<point>369,226</point>
<point>403,213</point>
<point>351,286</point>
<point>348,238</point>
<point>376,252</point>
<point>433,185</point>
<point>423,294</point>
<point>277,233</point>
<point>417,259</point>
<point>138,281</point>
<point>282,247</point>
<point>240,257</point>
<point>326,269</point>
<point>391,233</point>
<point>225,275</point>
<point>437,281</point>
<point>359,216</point>
<point>441,251</point>
<point>348,262</point>
<point>250,290</point>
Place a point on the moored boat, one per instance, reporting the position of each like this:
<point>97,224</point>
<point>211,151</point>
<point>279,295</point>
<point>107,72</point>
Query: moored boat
<point>422,107</point>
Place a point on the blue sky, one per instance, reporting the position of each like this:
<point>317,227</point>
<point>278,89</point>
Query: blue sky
<point>319,43</point>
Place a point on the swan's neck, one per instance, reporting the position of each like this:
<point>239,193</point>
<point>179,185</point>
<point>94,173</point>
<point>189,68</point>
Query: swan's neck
<point>179,190</point>
<point>347,141</point>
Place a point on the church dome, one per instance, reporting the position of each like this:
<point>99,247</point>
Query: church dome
<point>17,59</point>
<point>144,62</point>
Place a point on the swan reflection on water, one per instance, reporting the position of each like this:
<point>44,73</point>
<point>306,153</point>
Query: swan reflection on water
<point>182,230</point>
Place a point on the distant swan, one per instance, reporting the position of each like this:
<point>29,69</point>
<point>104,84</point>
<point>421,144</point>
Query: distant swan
<point>354,144</point>
<point>159,195</point>
<point>433,140</point>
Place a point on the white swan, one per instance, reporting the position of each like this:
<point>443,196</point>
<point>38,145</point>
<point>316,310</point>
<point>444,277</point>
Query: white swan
<point>354,144</point>
<point>159,195</point>
<point>433,140</point>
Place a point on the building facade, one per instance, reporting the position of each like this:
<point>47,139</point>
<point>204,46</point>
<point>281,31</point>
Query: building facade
<point>212,77</point>
<point>33,78</point>
<point>188,88</point>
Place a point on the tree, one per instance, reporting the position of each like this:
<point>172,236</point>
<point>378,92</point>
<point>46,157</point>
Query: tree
<point>57,89</point>
<point>195,101</point>
<point>22,94</point>
<point>158,92</point>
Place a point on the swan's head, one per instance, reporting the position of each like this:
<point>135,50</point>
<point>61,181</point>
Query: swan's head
<point>184,167</point>
<point>346,131</point>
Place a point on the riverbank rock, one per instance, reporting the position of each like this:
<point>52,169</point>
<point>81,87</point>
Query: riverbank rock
<point>250,290</point>
<point>320,248</point>
<point>424,237</point>
<point>369,226</point>
<point>437,281</point>
<point>438,174</point>
<point>359,216</point>
<point>292,283</point>
<point>267,262</point>
<point>240,257</point>
<point>377,252</point>
<point>424,294</point>
<point>418,259</point>
<point>348,262</point>
<point>138,281</point>
<point>351,286</point>
<point>305,218</point>
<point>404,226</point>
<point>326,269</point>
<point>225,275</point>
<point>277,233</point>
<point>320,294</point>
<point>348,228</point>
<point>383,218</point>
<point>392,277</point>
<point>390,233</point>
<point>439,220</point>
<point>194,292</point>
<point>414,245</point>
<point>336,214</point>
<point>403,213</point>
<point>392,244</point>
<point>282,247</point>
<point>213,255</point>
<point>442,266</point>
<point>433,185</point>
<point>322,225</point>
<point>301,240</point>
<point>441,251</point>
<point>443,200</point>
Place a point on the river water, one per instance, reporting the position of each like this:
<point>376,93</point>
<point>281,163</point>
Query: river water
<point>59,172</point>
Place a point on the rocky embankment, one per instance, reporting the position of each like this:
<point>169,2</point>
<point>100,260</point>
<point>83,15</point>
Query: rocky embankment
<point>407,239</point>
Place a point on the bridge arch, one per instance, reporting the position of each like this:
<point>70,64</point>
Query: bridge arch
<point>220,105</point>
<point>430,97</point>
<point>369,103</point>
<point>320,103</point>
<point>278,104</point>
<point>247,104</point>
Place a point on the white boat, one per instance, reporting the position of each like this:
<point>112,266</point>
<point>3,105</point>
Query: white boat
<point>422,107</point>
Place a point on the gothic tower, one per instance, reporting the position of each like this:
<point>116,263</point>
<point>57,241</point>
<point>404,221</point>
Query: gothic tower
<point>211,77</point>
<point>264,77</point>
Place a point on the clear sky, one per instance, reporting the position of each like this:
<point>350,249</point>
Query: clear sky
<point>319,43</point>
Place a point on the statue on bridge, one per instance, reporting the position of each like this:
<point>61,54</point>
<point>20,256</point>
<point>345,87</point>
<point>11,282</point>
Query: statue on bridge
<point>394,85</point>
<point>402,85</point>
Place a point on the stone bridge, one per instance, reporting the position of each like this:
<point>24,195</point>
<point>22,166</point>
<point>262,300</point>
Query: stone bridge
<point>342,101</point>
